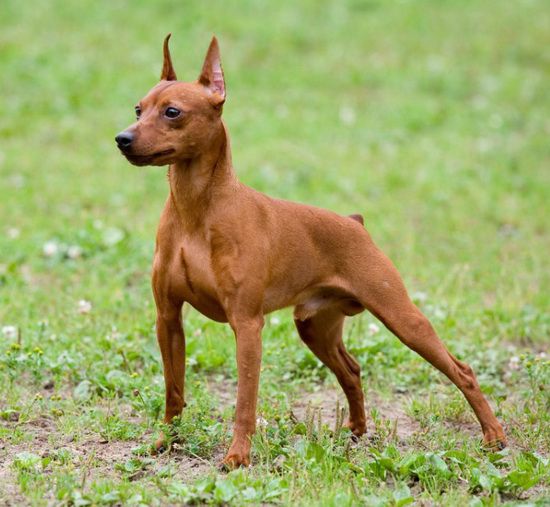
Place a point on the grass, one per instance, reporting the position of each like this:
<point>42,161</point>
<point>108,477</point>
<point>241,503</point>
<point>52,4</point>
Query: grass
<point>430,118</point>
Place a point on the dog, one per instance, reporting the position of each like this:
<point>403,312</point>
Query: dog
<point>235,254</point>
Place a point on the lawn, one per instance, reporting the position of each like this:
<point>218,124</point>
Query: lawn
<point>431,118</point>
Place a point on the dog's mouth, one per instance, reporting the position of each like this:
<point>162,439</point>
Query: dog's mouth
<point>151,159</point>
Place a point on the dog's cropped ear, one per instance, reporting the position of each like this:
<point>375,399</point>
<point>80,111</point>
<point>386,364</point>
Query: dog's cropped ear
<point>212,73</point>
<point>168,72</point>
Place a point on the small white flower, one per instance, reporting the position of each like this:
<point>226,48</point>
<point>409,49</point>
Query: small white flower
<point>84,306</point>
<point>74,252</point>
<point>420,297</point>
<point>542,355</point>
<point>373,329</point>
<point>13,232</point>
<point>112,236</point>
<point>197,332</point>
<point>9,332</point>
<point>274,321</point>
<point>261,422</point>
<point>50,248</point>
<point>513,364</point>
<point>347,115</point>
<point>439,313</point>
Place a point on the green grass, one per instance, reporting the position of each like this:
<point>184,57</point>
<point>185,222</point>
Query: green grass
<point>430,118</point>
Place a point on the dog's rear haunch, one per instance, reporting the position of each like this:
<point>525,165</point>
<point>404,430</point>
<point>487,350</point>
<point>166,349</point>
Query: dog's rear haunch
<point>236,254</point>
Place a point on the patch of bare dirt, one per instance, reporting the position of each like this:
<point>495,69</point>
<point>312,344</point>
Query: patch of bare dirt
<point>39,430</point>
<point>92,455</point>
<point>393,410</point>
<point>9,491</point>
<point>328,400</point>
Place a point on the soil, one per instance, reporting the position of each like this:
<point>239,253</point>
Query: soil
<point>327,401</point>
<point>96,457</point>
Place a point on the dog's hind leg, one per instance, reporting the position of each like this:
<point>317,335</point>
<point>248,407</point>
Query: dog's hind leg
<point>379,288</point>
<point>322,333</point>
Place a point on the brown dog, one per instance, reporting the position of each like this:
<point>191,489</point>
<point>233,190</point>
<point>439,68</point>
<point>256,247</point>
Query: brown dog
<point>235,254</point>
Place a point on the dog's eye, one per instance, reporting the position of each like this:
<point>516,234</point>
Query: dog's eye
<point>172,112</point>
<point>138,112</point>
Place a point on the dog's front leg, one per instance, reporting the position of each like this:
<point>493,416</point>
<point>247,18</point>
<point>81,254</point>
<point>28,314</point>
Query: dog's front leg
<point>171,341</point>
<point>249,357</point>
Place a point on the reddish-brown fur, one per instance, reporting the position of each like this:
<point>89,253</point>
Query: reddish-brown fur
<point>235,254</point>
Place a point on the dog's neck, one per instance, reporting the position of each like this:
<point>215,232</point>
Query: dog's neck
<point>194,181</point>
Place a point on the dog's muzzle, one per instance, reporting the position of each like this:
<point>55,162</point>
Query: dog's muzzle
<point>124,140</point>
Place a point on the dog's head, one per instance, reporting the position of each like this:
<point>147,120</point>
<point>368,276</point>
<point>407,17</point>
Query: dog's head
<point>176,120</point>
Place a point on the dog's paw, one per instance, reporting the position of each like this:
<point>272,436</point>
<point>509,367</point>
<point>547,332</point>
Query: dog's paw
<point>238,455</point>
<point>233,461</point>
<point>495,445</point>
<point>494,440</point>
<point>357,428</point>
<point>161,445</point>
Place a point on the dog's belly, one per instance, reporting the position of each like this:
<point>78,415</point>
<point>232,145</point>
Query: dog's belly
<point>311,306</point>
<point>312,299</point>
<point>209,308</point>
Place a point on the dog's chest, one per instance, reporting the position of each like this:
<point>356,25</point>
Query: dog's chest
<point>193,279</point>
<point>193,262</point>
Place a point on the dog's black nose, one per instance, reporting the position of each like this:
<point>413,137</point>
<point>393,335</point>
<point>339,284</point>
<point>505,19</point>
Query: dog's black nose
<point>124,140</point>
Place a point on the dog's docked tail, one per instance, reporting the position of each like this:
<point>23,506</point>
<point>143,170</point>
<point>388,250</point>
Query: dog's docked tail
<point>358,218</point>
